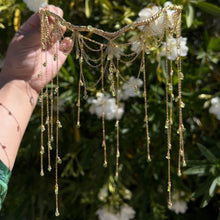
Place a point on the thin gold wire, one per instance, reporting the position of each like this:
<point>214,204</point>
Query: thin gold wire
<point>145,106</point>
<point>58,125</point>
<point>168,122</point>
<point>117,119</point>
<point>180,102</point>
<point>43,48</point>
<point>111,77</point>
<point>80,79</point>
<point>47,119</point>
<point>103,113</point>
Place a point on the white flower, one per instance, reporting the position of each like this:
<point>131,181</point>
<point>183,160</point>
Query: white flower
<point>137,43</point>
<point>126,213</point>
<point>154,28</point>
<point>131,88</point>
<point>34,5</point>
<point>168,3</point>
<point>215,107</point>
<point>103,193</point>
<point>128,194</point>
<point>136,46</point>
<point>179,205</point>
<point>109,107</point>
<point>170,14</point>
<point>113,50</point>
<point>104,214</point>
<point>172,47</point>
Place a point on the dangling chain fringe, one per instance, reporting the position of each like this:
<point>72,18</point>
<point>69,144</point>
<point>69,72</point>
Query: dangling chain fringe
<point>106,58</point>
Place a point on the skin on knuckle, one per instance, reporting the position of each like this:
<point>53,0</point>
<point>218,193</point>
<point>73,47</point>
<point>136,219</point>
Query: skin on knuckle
<point>56,10</point>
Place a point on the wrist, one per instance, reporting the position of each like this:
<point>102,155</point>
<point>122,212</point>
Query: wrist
<point>20,86</point>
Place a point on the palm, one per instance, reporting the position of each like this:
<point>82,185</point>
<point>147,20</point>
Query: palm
<point>24,59</point>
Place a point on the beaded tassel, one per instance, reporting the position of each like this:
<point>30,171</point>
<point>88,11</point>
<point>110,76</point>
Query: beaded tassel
<point>103,113</point>
<point>110,51</point>
<point>117,120</point>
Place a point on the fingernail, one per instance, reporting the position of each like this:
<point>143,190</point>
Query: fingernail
<point>67,44</point>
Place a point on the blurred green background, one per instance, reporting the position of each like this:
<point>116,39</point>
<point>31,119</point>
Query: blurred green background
<point>81,173</point>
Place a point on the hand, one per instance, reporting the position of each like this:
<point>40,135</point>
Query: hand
<point>23,60</point>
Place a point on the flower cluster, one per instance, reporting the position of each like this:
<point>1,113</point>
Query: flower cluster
<point>157,28</point>
<point>215,107</point>
<point>179,205</point>
<point>107,104</point>
<point>119,193</point>
<point>126,213</point>
<point>131,88</point>
<point>34,5</point>
<point>172,48</point>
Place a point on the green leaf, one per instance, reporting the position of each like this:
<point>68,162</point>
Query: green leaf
<point>213,187</point>
<point>72,64</point>
<point>218,181</point>
<point>209,8</point>
<point>205,201</point>
<point>65,72</point>
<point>189,15</point>
<point>88,8</point>
<point>2,26</point>
<point>214,44</point>
<point>203,188</point>
<point>207,153</point>
<point>2,8</point>
<point>196,170</point>
<point>106,4</point>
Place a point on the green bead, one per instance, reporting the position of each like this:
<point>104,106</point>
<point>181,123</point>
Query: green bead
<point>103,144</point>
<point>90,28</point>
<point>42,128</point>
<point>51,139</point>
<point>168,157</point>
<point>169,205</point>
<point>42,150</point>
<point>179,173</point>
<point>57,213</point>
<point>49,168</point>
<point>105,164</point>
<point>182,105</point>
<point>55,57</point>
<point>184,163</point>
<point>167,124</point>
<point>117,124</point>
<point>78,124</point>
<point>56,191</point>
<point>170,146</point>
<point>42,173</point>
<point>181,76</point>
<point>59,124</point>
<point>170,87</point>
<point>59,161</point>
